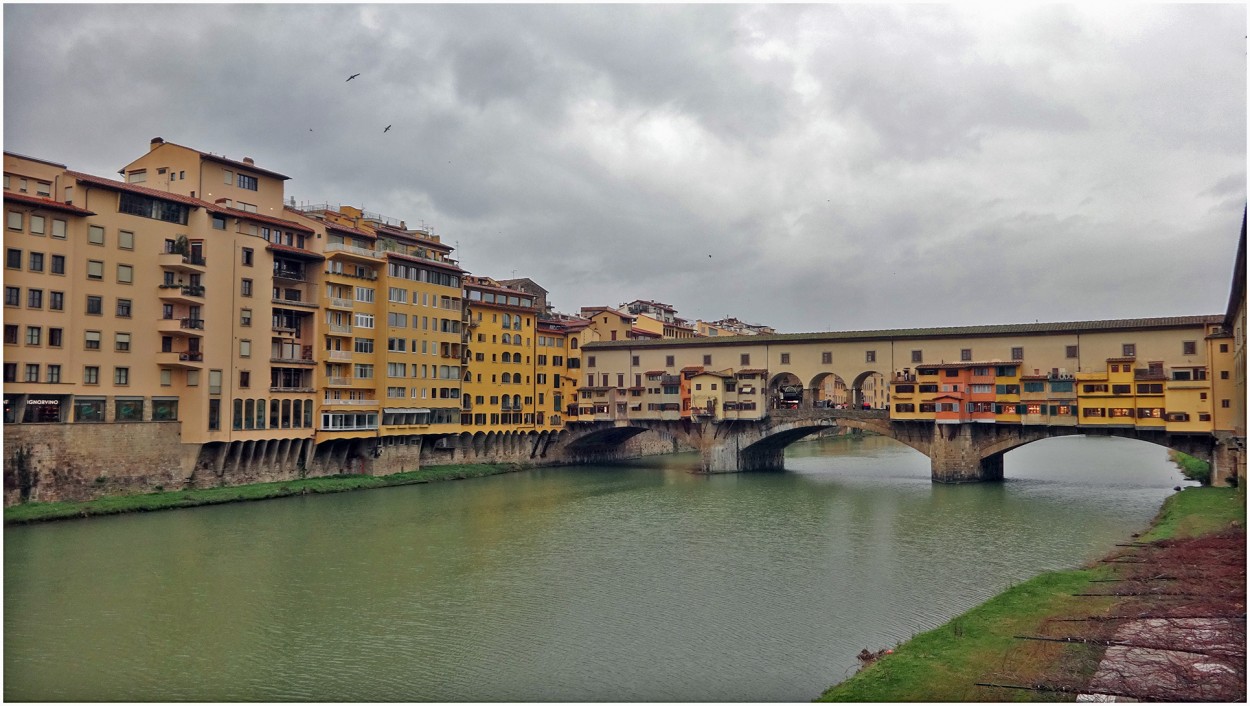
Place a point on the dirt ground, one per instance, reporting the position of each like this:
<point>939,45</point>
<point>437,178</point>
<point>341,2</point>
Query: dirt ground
<point>1176,630</point>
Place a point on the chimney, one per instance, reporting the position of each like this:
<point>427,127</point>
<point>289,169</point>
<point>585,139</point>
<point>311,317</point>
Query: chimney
<point>249,160</point>
<point>156,142</point>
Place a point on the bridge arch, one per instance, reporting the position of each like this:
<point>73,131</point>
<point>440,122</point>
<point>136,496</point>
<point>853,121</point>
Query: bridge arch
<point>1194,446</point>
<point>830,388</point>
<point>869,387</point>
<point>786,386</point>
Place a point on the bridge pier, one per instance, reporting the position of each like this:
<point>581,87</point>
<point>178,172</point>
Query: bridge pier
<point>957,455</point>
<point>729,458</point>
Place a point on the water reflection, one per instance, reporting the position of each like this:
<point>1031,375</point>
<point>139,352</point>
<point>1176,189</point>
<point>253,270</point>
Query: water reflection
<point>639,582</point>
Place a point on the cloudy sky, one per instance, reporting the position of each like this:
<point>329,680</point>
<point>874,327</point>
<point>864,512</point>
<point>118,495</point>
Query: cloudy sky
<point>809,167</point>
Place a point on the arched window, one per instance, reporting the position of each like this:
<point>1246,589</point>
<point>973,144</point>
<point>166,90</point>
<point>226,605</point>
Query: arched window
<point>507,357</point>
<point>573,344</point>
<point>249,412</point>
<point>507,337</point>
<point>238,414</point>
<point>507,378</point>
<point>260,414</point>
<point>295,414</point>
<point>516,402</point>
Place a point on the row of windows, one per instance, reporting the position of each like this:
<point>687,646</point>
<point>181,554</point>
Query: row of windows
<point>496,419</point>
<point>50,409</point>
<point>445,393</point>
<point>95,268</point>
<point>417,273</point>
<point>441,372</point>
<point>399,295</point>
<point>399,320</point>
<point>42,188</point>
<point>38,225</point>
<point>34,337</point>
<point>281,414</point>
<point>51,373</point>
<point>917,356</point>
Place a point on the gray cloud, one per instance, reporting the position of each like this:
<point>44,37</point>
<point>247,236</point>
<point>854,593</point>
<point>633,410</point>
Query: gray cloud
<point>845,166</point>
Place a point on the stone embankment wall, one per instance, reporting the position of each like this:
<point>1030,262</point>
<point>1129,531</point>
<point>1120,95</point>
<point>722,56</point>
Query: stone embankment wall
<point>77,462</point>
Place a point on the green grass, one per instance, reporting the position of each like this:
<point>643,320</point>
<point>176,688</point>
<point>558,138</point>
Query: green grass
<point>1197,511</point>
<point>1192,468</point>
<point>168,500</point>
<point>944,664</point>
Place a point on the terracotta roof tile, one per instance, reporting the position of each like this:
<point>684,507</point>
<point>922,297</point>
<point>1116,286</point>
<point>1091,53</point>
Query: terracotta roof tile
<point>299,252</point>
<point>218,208</point>
<point>423,261</point>
<point>1162,322</point>
<point>223,160</point>
<point>122,186</point>
<point>47,203</point>
<point>330,225</point>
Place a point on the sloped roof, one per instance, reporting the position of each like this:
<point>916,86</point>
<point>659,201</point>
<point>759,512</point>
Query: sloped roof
<point>85,178</point>
<point>40,202</point>
<point>1162,322</point>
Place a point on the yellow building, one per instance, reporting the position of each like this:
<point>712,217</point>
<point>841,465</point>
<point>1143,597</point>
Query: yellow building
<point>551,378</point>
<point>615,325</point>
<point>189,293</point>
<point>162,297</point>
<point>501,386</point>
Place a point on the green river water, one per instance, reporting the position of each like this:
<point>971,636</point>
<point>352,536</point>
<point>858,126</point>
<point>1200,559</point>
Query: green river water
<point>639,582</point>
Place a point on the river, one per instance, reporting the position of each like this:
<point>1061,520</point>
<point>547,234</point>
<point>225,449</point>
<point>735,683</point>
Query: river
<point>638,582</point>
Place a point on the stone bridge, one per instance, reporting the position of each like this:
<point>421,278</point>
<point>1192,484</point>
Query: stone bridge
<point>958,453</point>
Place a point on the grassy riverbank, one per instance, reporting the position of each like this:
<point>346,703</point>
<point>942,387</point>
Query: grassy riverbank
<point>1192,468</point>
<point>944,664</point>
<point>168,500</point>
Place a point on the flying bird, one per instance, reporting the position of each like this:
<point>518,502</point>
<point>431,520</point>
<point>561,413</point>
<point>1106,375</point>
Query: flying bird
<point>351,77</point>
<point>388,127</point>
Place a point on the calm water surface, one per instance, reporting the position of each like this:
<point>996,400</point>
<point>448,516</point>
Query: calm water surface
<point>622,583</point>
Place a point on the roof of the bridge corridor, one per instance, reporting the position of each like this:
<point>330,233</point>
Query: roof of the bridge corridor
<point>939,332</point>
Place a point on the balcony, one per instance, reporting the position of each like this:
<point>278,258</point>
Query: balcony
<point>289,274</point>
<point>180,327</point>
<point>332,249</point>
<point>304,297</point>
<point>341,329</point>
<point>339,303</point>
<point>176,262</point>
<point>287,388</point>
<point>354,403</point>
<point>340,381</point>
<point>278,360</point>
<point>338,355</point>
<point>182,294</point>
<point>192,360</point>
